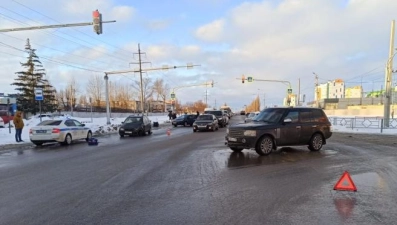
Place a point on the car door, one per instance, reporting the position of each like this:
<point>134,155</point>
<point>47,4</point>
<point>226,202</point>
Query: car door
<point>81,131</point>
<point>308,125</point>
<point>72,129</point>
<point>290,131</point>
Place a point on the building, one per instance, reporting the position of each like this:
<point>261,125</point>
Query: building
<point>293,100</point>
<point>354,92</point>
<point>331,89</point>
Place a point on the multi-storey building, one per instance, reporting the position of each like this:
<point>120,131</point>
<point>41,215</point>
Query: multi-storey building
<point>354,92</point>
<point>331,89</point>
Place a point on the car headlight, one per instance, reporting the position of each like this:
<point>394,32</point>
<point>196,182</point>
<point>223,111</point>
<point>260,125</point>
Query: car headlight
<point>121,128</point>
<point>251,133</point>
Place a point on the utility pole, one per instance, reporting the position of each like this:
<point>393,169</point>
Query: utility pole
<point>299,91</point>
<point>106,77</point>
<point>140,76</point>
<point>316,90</point>
<point>388,78</point>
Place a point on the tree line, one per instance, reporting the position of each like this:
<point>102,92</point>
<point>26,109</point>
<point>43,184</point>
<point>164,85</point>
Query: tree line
<point>121,95</point>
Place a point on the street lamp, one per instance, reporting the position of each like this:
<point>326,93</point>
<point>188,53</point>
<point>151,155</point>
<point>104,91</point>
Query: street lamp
<point>388,89</point>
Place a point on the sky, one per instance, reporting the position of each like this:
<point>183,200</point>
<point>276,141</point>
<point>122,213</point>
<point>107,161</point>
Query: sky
<point>285,40</point>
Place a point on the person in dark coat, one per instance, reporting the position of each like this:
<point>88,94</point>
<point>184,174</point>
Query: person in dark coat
<point>173,115</point>
<point>170,115</point>
<point>198,114</point>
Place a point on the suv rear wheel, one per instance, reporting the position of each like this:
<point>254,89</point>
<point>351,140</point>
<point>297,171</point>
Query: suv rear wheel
<point>316,142</point>
<point>265,145</point>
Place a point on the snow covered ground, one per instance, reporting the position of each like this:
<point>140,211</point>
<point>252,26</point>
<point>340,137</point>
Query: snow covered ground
<point>98,126</point>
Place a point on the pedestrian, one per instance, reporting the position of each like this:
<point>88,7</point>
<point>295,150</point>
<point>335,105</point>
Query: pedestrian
<point>198,114</point>
<point>170,115</point>
<point>18,124</point>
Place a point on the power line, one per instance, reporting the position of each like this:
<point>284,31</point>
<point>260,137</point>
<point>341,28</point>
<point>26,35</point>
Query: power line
<point>72,28</point>
<point>52,60</point>
<point>49,33</point>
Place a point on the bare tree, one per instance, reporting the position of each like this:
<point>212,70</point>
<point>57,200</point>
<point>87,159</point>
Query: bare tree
<point>147,88</point>
<point>95,88</point>
<point>62,100</point>
<point>125,95</point>
<point>161,89</point>
<point>71,92</point>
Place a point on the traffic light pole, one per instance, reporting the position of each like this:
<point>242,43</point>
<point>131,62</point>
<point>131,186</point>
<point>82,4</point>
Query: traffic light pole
<point>193,85</point>
<point>188,66</point>
<point>53,26</point>
<point>279,81</point>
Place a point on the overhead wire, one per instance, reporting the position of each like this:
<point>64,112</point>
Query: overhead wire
<point>73,28</point>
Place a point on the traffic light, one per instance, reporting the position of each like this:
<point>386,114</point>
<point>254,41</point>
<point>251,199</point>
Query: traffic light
<point>172,95</point>
<point>212,84</point>
<point>97,21</point>
<point>289,91</point>
<point>242,79</point>
<point>250,79</point>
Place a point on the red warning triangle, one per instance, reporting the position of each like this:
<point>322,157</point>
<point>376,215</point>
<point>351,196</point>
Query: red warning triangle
<point>345,183</point>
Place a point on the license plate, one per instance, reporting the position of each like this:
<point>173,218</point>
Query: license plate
<point>232,139</point>
<point>202,126</point>
<point>41,131</point>
<point>128,132</point>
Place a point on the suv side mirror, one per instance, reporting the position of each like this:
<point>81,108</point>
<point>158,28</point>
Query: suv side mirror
<point>122,122</point>
<point>287,120</point>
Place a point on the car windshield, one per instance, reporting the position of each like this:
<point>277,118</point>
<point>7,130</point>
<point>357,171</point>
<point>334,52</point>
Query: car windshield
<point>182,117</point>
<point>251,115</point>
<point>270,115</point>
<point>216,113</point>
<point>133,120</point>
<point>50,123</point>
<point>204,117</point>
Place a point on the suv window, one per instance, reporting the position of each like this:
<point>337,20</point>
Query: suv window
<point>270,115</point>
<point>319,116</point>
<point>306,116</point>
<point>216,113</point>
<point>293,115</point>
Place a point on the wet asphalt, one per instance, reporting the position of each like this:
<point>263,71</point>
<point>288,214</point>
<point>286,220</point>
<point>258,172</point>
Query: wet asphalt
<point>193,178</point>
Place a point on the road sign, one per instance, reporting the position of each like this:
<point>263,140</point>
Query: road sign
<point>172,95</point>
<point>250,79</point>
<point>38,93</point>
<point>345,183</point>
<point>289,91</point>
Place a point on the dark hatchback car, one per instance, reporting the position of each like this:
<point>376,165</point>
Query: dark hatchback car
<point>206,122</point>
<point>185,120</point>
<point>277,127</point>
<point>219,115</point>
<point>135,125</point>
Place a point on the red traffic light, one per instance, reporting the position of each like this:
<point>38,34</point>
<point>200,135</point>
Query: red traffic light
<point>97,22</point>
<point>242,79</point>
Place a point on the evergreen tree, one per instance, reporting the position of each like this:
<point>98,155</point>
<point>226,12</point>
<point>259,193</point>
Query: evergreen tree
<point>28,80</point>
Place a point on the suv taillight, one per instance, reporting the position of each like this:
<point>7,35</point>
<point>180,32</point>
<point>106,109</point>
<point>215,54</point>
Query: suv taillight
<point>56,131</point>
<point>30,131</point>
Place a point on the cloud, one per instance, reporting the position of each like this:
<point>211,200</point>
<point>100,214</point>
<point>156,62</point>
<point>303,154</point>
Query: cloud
<point>122,13</point>
<point>158,24</point>
<point>211,32</point>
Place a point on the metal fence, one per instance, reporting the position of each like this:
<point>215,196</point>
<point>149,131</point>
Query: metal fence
<point>363,122</point>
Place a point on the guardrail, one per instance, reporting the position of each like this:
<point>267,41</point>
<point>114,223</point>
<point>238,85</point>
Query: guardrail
<point>363,122</point>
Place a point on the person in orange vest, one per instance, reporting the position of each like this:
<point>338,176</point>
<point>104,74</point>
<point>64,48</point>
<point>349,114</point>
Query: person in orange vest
<point>18,124</point>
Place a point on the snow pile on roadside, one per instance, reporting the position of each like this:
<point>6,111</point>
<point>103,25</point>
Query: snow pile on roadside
<point>97,126</point>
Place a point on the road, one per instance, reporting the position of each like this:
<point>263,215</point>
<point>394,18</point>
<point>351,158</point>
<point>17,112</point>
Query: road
<point>193,178</point>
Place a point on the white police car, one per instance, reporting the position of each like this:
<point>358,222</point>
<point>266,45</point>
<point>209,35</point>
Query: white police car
<point>63,131</point>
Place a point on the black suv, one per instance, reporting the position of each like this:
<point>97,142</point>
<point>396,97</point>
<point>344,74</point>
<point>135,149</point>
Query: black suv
<point>135,125</point>
<point>219,115</point>
<point>185,120</point>
<point>276,127</point>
